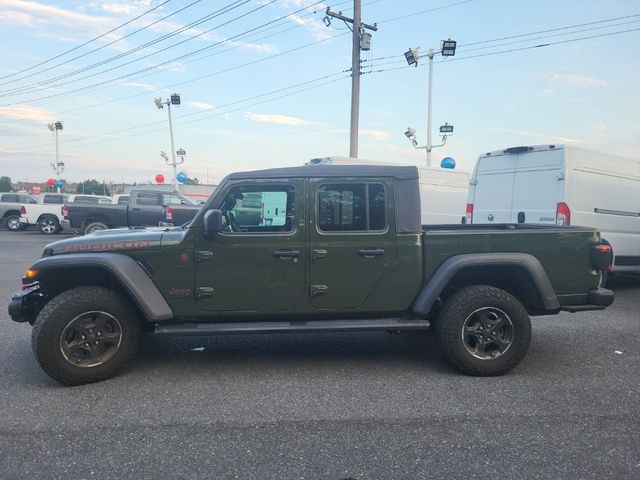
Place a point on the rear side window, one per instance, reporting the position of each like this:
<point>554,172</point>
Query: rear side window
<point>148,199</point>
<point>123,200</point>
<point>53,199</point>
<point>85,199</point>
<point>171,199</point>
<point>9,198</point>
<point>351,207</point>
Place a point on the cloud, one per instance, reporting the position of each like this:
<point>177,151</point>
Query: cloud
<point>279,119</point>
<point>201,105</point>
<point>377,134</point>
<point>537,135</point>
<point>38,14</point>
<point>143,86</point>
<point>26,112</point>
<point>577,80</point>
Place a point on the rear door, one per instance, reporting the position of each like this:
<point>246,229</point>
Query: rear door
<point>145,208</point>
<point>494,182</point>
<point>538,186</point>
<point>352,239</point>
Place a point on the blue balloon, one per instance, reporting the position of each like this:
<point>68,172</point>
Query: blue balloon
<point>448,162</point>
<point>59,183</point>
<point>181,177</point>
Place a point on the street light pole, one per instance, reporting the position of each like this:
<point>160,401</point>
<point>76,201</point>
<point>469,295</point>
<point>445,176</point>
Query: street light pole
<point>173,148</point>
<point>58,167</point>
<point>429,106</point>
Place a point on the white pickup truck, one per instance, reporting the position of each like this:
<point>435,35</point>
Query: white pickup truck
<point>47,213</point>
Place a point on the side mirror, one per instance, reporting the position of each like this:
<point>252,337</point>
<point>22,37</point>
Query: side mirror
<point>212,223</point>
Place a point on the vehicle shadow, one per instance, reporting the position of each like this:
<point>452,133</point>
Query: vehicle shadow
<point>623,282</point>
<point>370,349</point>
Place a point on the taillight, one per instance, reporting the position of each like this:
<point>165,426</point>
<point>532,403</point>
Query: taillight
<point>602,256</point>
<point>469,213</point>
<point>563,214</point>
<point>23,210</point>
<point>64,211</point>
<point>169,214</point>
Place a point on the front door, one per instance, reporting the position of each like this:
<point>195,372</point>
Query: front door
<point>351,240</point>
<point>259,262</point>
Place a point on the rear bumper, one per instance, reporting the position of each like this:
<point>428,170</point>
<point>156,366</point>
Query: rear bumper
<point>24,306</point>
<point>598,299</point>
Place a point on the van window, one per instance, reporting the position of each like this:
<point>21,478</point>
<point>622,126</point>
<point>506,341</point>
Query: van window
<point>351,207</point>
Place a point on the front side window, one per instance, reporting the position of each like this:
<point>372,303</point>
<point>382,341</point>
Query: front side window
<point>124,200</point>
<point>351,207</point>
<point>171,199</point>
<point>259,209</point>
<point>53,199</point>
<point>9,198</point>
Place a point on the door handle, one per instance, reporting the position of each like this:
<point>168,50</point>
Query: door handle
<point>318,253</point>
<point>284,254</point>
<point>136,208</point>
<point>371,252</point>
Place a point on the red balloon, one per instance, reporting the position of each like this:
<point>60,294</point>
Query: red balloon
<point>159,178</point>
<point>51,182</point>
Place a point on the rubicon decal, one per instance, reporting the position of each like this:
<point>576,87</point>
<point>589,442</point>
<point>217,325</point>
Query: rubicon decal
<point>107,246</point>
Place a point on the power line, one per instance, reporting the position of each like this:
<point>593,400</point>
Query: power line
<point>93,51</point>
<point>87,42</point>
<point>421,12</point>
<point>153,67</point>
<point>217,13</point>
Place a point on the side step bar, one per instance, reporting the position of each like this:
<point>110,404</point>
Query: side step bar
<point>394,324</point>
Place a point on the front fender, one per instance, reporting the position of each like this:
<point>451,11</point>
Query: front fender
<point>130,275</point>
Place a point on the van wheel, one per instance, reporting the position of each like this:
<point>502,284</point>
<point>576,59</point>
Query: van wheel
<point>49,225</point>
<point>484,331</point>
<point>95,227</point>
<point>85,335</point>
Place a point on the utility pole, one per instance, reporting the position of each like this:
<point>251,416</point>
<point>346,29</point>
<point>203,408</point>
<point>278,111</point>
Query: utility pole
<point>360,41</point>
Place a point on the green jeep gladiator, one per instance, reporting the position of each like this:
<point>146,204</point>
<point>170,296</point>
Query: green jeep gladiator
<point>307,249</point>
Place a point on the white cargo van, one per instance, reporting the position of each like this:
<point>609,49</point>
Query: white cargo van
<point>443,192</point>
<point>564,185</point>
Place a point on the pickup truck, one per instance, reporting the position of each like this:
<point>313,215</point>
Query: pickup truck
<point>47,213</point>
<point>144,207</point>
<point>10,204</point>
<point>348,254</point>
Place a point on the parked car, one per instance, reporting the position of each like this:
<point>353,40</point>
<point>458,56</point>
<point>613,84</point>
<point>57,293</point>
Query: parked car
<point>47,215</point>
<point>443,192</point>
<point>349,254</point>
<point>144,207</point>
<point>565,185</point>
<point>10,209</point>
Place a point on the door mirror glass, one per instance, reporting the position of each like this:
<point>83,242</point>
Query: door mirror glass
<point>212,223</point>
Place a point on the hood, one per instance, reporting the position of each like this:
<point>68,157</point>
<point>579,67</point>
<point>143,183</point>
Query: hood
<point>116,240</point>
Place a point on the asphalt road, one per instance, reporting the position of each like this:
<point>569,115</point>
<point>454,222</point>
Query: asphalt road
<point>328,406</point>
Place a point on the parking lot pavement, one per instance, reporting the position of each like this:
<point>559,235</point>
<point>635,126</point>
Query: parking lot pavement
<point>328,406</point>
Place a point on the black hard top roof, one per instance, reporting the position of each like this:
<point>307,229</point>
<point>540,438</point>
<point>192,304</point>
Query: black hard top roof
<point>400,172</point>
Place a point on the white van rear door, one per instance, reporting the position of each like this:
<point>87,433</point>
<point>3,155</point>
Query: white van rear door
<point>494,188</point>
<point>538,187</point>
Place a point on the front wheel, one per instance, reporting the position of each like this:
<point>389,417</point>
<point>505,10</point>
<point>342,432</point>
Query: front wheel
<point>95,227</point>
<point>483,330</point>
<point>49,225</point>
<point>85,335</point>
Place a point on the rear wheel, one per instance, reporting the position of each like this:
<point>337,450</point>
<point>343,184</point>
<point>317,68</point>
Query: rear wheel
<point>85,335</point>
<point>49,225</point>
<point>483,330</point>
<point>95,227</point>
<point>13,223</point>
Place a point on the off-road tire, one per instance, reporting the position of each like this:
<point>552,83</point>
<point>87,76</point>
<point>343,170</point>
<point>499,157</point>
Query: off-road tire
<point>459,307</point>
<point>60,311</point>
<point>49,225</point>
<point>94,227</point>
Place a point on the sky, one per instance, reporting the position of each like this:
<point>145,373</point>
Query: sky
<point>265,83</point>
